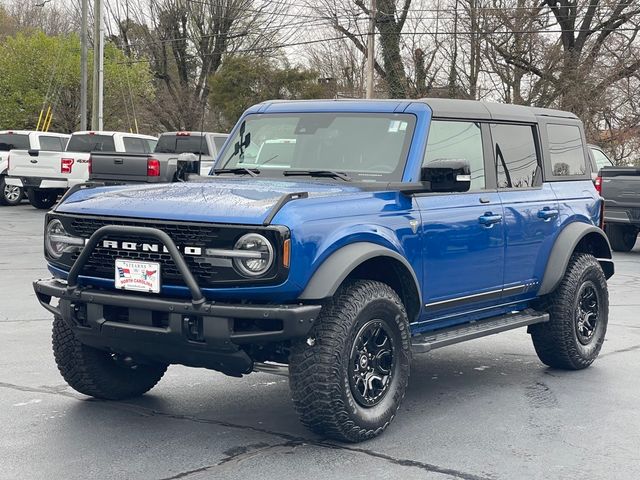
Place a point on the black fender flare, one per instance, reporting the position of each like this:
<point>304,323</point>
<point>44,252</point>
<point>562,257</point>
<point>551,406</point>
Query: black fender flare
<point>333,271</point>
<point>565,245</point>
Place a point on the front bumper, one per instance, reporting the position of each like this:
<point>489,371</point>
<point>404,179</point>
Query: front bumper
<point>196,332</point>
<point>170,330</point>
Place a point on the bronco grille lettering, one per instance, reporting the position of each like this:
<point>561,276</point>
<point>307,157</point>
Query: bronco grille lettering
<point>148,247</point>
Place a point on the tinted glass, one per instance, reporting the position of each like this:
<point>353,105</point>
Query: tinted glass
<point>91,143</point>
<point>133,145</point>
<point>13,141</point>
<point>150,145</point>
<point>517,160</point>
<point>52,144</point>
<point>368,147</point>
<point>182,144</point>
<point>601,159</point>
<point>457,141</point>
<point>565,146</point>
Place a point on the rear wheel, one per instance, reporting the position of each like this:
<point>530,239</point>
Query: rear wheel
<point>349,377</point>
<point>578,315</point>
<point>9,194</point>
<point>43,199</point>
<point>99,373</point>
<point>622,237</point>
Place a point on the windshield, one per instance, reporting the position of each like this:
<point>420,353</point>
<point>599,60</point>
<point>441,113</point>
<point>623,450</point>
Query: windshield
<point>365,146</point>
<point>86,143</point>
<point>13,141</point>
<point>182,144</point>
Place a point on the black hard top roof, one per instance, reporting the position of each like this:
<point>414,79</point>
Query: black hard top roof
<point>446,107</point>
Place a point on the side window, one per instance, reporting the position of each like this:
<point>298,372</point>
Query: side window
<point>517,160</point>
<point>52,144</point>
<point>150,145</point>
<point>567,154</point>
<point>134,145</point>
<point>450,140</point>
<point>601,159</point>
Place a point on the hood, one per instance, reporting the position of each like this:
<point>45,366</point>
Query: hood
<point>217,200</point>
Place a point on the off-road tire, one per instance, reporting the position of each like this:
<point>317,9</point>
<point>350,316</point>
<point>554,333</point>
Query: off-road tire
<point>622,237</point>
<point>319,365</point>
<point>8,196</point>
<point>557,341</point>
<point>96,373</point>
<point>43,199</point>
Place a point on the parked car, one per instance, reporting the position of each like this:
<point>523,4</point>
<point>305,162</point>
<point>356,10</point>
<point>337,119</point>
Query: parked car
<point>23,140</point>
<point>162,165</point>
<point>323,268</point>
<point>45,174</point>
<point>620,188</point>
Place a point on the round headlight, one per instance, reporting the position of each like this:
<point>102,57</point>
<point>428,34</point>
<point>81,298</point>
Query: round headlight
<point>255,255</point>
<point>53,234</point>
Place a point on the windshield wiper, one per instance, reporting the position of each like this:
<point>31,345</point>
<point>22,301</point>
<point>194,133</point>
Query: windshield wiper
<point>239,171</point>
<point>317,173</point>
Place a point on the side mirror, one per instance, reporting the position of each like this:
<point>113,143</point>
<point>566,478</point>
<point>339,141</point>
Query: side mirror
<point>447,175</point>
<point>33,152</point>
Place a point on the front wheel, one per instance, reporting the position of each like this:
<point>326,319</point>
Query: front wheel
<point>43,199</point>
<point>622,237</point>
<point>349,376</point>
<point>578,315</point>
<point>99,373</point>
<point>10,195</point>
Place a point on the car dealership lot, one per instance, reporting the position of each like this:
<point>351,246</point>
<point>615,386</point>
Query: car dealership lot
<point>485,409</point>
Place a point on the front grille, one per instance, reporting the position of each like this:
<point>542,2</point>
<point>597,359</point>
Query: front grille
<point>208,272</point>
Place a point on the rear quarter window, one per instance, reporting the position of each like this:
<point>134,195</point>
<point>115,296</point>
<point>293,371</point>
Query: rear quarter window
<point>566,150</point>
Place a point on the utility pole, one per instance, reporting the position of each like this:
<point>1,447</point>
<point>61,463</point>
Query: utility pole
<point>83,66</point>
<point>98,66</point>
<point>371,44</point>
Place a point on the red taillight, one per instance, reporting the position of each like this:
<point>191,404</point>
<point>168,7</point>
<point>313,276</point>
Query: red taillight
<point>66,165</point>
<point>153,167</point>
<point>598,184</point>
<point>183,134</point>
<point>89,165</point>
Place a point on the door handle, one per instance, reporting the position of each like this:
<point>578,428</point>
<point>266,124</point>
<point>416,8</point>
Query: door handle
<point>547,213</point>
<point>488,219</point>
<point>118,161</point>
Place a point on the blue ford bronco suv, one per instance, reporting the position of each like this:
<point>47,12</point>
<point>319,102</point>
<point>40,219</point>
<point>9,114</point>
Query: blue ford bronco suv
<point>331,242</point>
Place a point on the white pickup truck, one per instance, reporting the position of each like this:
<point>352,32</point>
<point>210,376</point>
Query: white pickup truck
<point>45,174</point>
<point>24,140</point>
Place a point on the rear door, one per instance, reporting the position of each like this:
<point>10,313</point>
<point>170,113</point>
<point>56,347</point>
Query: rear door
<point>531,211</point>
<point>463,233</point>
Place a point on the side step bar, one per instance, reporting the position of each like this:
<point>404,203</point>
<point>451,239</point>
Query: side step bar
<point>449,336</point>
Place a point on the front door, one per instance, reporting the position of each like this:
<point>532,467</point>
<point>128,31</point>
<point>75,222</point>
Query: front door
<point>463,233</point>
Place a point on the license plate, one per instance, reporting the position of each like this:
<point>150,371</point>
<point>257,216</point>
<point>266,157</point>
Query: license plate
<point>137,276</point>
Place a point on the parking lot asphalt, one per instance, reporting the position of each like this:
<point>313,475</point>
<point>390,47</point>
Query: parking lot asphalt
<point>486,409</point>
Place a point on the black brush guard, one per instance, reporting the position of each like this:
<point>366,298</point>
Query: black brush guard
<point>194,332</point>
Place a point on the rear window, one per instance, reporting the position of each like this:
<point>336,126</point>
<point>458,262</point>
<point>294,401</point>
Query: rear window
<point>91,143</point>
<point>567,154</point>
<point>134,145</point>
<point>52,144</point>
<point>182,144</point>
<point>13,141</point>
